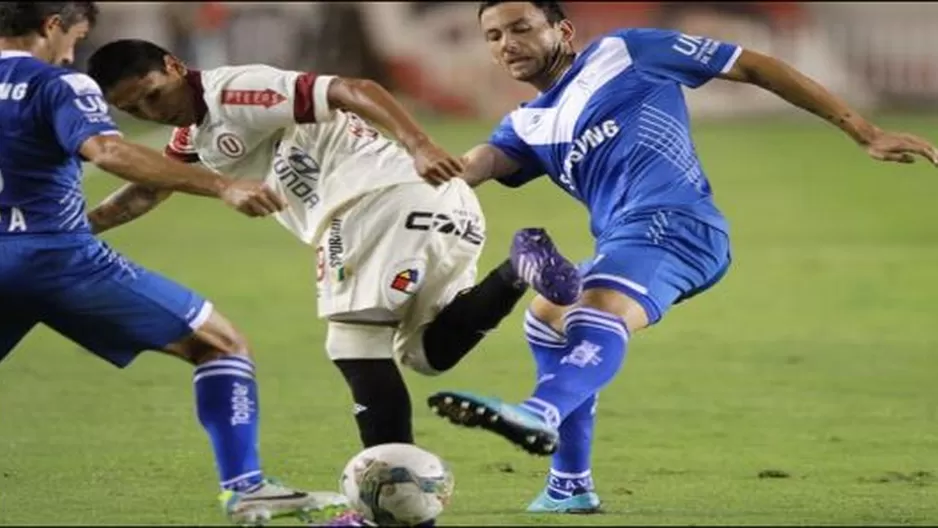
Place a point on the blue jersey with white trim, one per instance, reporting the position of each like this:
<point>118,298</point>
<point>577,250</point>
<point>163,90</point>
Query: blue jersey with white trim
<point>46,114</point>
<point>614,131</point>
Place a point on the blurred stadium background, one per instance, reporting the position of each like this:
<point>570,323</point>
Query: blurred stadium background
<point>799,391</point>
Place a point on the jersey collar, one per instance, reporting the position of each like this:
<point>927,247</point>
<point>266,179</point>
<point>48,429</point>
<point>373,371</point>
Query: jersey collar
<point>9,54</point>
<point>194,78</point>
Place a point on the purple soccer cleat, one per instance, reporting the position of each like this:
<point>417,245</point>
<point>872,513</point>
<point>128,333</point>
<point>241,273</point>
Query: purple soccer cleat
<point>537,262</point>
<point>348,518</point>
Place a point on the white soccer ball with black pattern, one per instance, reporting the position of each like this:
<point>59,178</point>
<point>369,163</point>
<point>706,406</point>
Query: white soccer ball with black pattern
<point>397,484</point>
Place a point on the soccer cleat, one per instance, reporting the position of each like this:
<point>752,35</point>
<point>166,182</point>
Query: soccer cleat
<point>348,518</point>
<point>519,426</point>
<point>584,503</point>
<point>539,263</point>
<point>270,500</point>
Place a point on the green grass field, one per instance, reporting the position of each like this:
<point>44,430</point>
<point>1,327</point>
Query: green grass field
<point>816,356</point>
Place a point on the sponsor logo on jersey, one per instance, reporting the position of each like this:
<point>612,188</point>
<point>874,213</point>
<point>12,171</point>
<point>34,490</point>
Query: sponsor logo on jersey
<point>589,140</point>
<point>336,246</point>
<point>406,281</point>
<point>13,92</point>
<point>358,127</point>
<point>467,230</point>
<point>265,98</point>
<point>336,250</point>
<point>701,49</point>
<point>299,174</point>
<point>81,84</point>
<point>230,145</point>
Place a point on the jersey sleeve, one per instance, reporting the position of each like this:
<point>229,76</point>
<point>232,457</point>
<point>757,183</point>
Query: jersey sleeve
<point>180,146</point>
<point>687,59</point>
<point>505,139</point>
<point>267,98</point>
<point>76,108</point>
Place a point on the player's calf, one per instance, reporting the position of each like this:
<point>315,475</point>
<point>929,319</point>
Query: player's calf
<point>382,406</point>
<point>227,407</point>
<point>462,324</point>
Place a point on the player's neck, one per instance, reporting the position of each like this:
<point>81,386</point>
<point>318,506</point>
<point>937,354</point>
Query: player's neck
<point>21,44</point>
<point>557,68</point>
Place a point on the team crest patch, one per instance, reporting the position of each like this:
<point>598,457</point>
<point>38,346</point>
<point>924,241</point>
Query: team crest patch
<point>406,281</point>
<point>230,145</point>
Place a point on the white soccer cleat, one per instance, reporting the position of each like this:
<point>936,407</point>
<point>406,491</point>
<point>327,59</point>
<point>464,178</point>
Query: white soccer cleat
<point>271,500</point>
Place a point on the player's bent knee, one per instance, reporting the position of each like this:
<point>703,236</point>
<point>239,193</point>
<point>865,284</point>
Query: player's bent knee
<point>630,309</point>
<point>413,355</point>
<point>548,312</point>
<point>359,341</point>
<point>215,338</point>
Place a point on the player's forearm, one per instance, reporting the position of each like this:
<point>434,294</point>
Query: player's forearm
<point>139,164</point>
<point>371,101</point>
<point>798,89</point>
<point>479,166</point>
<point>486,162</point>
<point>126,204</point>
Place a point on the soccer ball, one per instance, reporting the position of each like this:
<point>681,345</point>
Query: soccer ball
<point>397,484</point>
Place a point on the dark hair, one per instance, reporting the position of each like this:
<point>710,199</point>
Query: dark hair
<point>552,10</point>
<point>125,59</point>
<point>18,19</point>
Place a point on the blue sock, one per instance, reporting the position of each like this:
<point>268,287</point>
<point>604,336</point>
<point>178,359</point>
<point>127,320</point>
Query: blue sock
<point>227,406</point>
<point>595,350</point>
<point>570,471</point>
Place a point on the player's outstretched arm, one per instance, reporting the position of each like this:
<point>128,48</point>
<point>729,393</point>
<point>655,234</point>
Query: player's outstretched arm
<point>125,205</point>
<point>798,89</point>
<point>373,102</point>
<point>139,164</point>
<point>486,162</point>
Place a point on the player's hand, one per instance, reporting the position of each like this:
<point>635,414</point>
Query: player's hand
<point>435,165</point>
<point>252,198</point>
<point>900,147</point>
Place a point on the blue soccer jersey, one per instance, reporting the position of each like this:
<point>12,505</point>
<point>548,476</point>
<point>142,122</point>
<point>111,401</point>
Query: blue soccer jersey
<point>46,114</point>
<point>614,131</point>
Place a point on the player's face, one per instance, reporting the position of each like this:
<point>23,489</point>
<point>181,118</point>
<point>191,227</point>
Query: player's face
<point>58,46</point>
<point>521,39</point>
<point>160,96</point>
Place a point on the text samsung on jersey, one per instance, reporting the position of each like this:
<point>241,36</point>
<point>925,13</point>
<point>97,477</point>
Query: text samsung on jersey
<point>13,92</point>
<point>587,142</point>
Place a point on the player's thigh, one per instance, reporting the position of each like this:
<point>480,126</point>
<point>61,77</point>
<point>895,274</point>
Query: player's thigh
<point>124,309</point>
<point>22,264</point>
<point>16,320</point>
<point>357,338</point>
<point>656,267</point>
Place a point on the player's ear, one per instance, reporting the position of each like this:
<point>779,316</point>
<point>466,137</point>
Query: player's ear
<point>567,32</point>
<point>50,23</point>
<point>172,64</point>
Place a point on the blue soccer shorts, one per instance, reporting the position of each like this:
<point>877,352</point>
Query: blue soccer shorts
<point>658,259</point>
<point>87,292</point>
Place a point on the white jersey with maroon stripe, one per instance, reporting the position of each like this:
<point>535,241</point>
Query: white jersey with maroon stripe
<point>268,124</point>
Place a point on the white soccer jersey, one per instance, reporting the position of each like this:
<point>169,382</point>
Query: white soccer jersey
<point>268,124</point>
